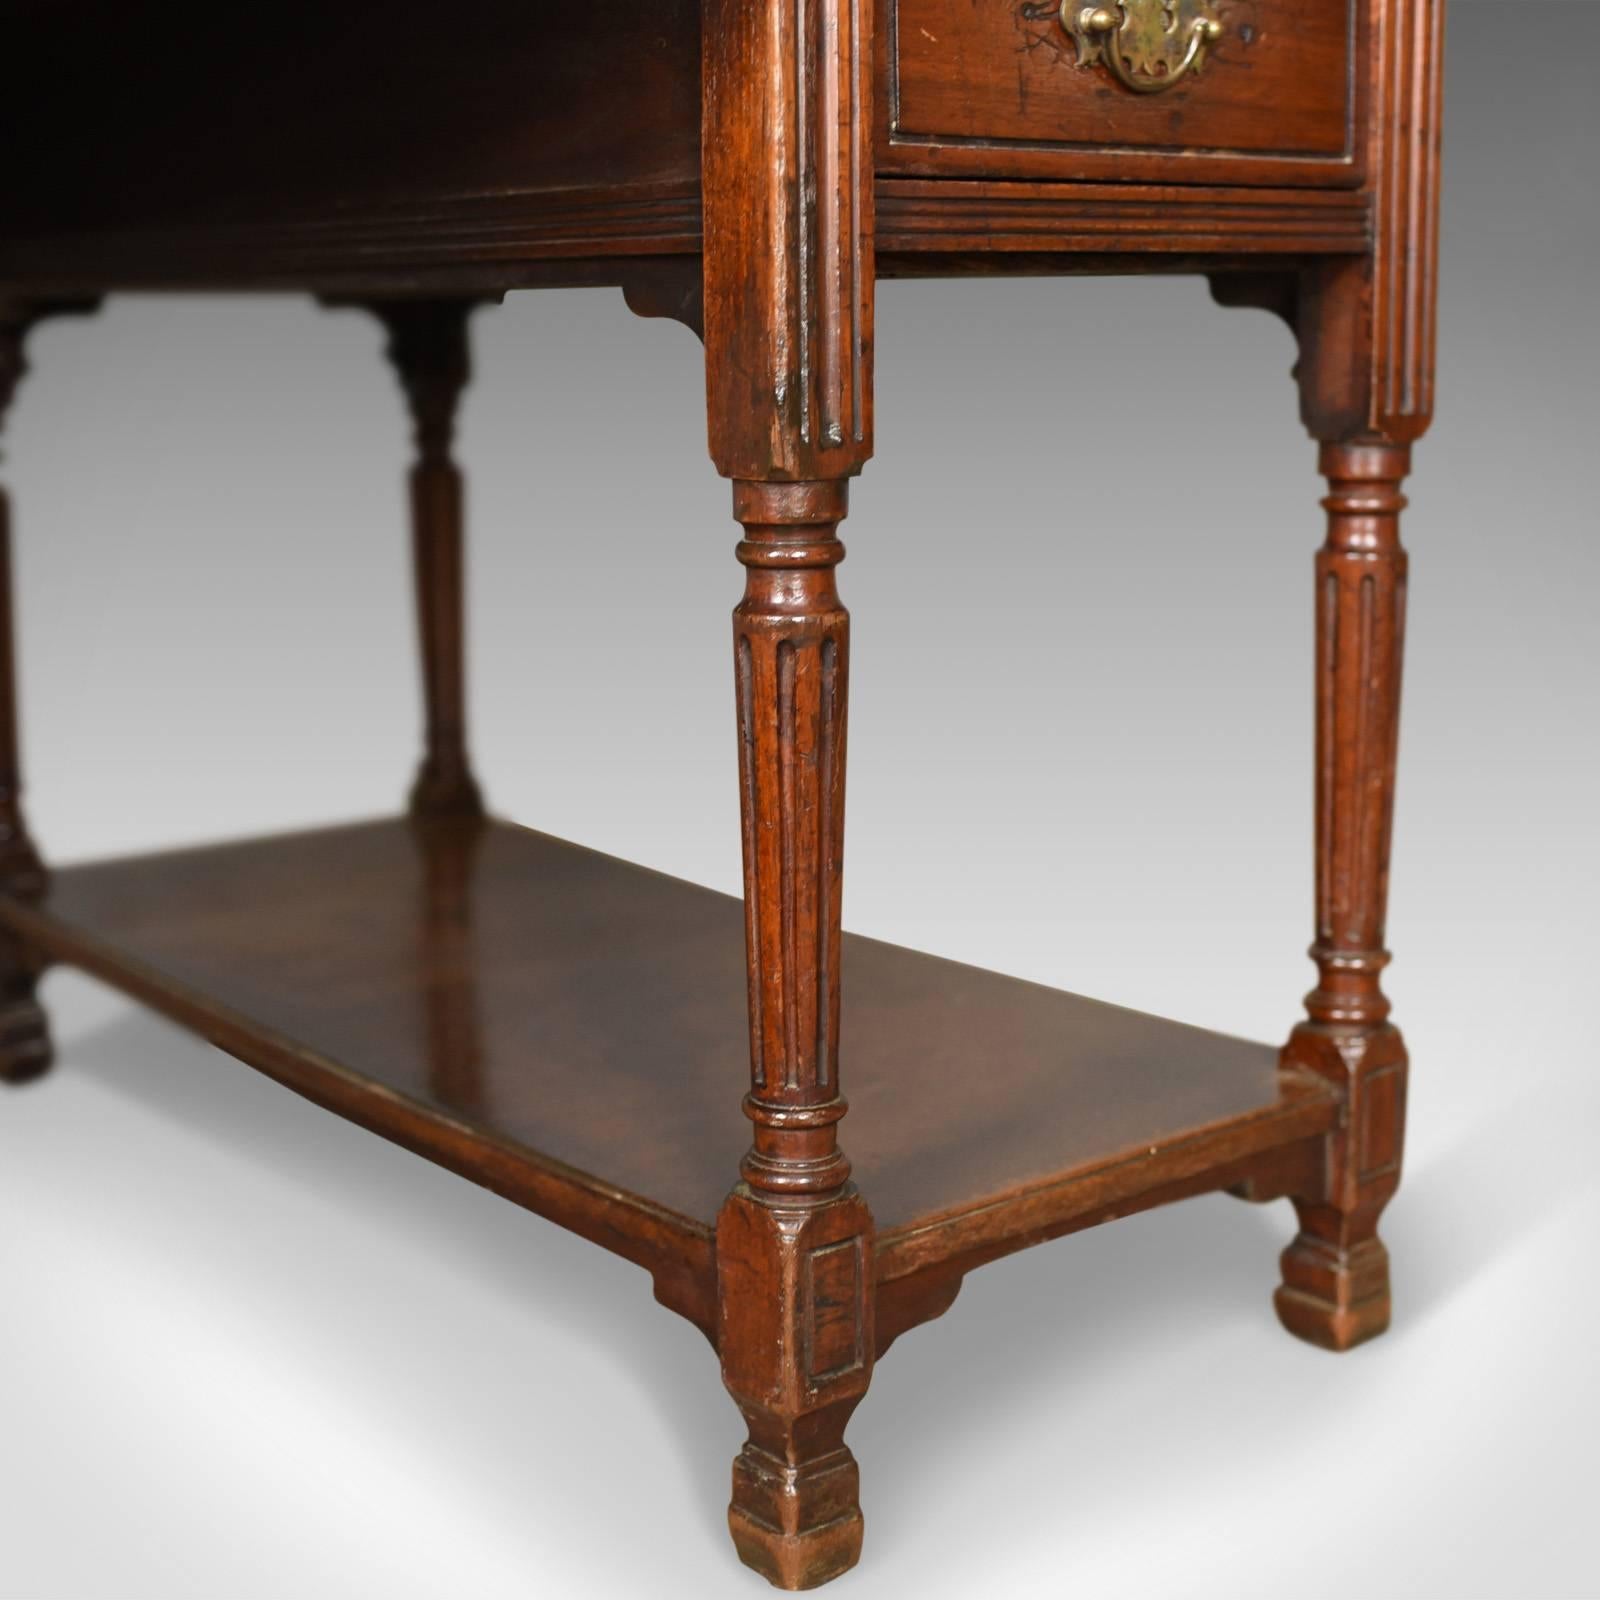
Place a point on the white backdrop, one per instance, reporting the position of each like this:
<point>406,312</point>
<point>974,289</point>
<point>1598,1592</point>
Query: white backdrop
<point>248,1351</point>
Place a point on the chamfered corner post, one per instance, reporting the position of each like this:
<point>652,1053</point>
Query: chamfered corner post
<point>24,1033</point>
<point>428,345</point>
<point>788,291</point>
<point>1367,366</point>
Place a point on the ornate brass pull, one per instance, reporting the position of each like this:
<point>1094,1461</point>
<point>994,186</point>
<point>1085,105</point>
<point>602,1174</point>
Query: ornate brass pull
<point>1134,40</point>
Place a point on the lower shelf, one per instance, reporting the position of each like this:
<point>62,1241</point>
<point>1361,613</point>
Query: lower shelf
<point>569,1030</point>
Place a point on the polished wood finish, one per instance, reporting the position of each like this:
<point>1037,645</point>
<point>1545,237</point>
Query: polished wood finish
<point>373,117</point>
<point>21,870</point>
<point>464,1003</point>
<point>995,88</point>
<point>1336,1274</point>
<point>789,280</point>
<point>567,1029</point>
<point>917,215</point>
<point>428,346</point>
<point>1366,375</point>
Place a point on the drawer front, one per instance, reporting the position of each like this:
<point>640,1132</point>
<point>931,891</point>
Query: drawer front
<point>1212,91</point>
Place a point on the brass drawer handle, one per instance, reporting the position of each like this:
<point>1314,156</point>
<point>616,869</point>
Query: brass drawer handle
<point>1134,40</point>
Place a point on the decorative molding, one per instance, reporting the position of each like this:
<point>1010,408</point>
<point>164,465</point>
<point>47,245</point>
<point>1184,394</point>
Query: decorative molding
<point>1381,1104</point>
<point>956,215</point>
<point>791,643</point>
<point>796,1307</point>
<point>429,351</point>
<point>835,1283</point>
<point>497,234</point>
<point>1405,167</point>
<point>1361,573</point>
<point>789,236</point>
<point>1105,146</point>
<point>667,286</point>
<point>479,231</point>
<point>1335,1274</point>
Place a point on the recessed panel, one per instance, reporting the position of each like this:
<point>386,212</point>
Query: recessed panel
<point>1258,81</point>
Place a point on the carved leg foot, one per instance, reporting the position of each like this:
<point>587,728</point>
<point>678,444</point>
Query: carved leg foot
<point>795,1516</point>
<point>1336,1274</point>
<point>1335,1290</point>
<point>25,1051</point>
<point>795,1312</point>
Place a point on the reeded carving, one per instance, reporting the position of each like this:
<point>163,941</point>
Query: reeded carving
<point>788,295</point>
<point>1361,572</point>
<point>1366,322</point>
<point>794,1240</point>
<point>1405,177</point>
<point>1335,1275</point>
<point>791,655</point>
<point>789,237</point>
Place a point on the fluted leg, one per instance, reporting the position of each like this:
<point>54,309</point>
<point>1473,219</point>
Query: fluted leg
<point>794,1241</point>
<point>788,296</point>
<point>1336,1273</point>
<point>24,1035</point>
<point>428,345</point>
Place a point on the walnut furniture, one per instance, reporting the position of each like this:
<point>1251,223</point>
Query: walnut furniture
<point>565,1028</point>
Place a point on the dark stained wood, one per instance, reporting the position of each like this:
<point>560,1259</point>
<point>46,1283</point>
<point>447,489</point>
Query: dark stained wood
<point>1078,219</point>
<point>1336,1273</point>
<point>994,89</point>
<point>21,870</point>
<point>468,974</point>
<point>370,189</point>
<point>138,117</point>
<point>1366,373</point>
<point>428,346</point>
<point>24,1033</point>
<point>569,1030</point>
<point>668,286</point>
<point>788,297</point>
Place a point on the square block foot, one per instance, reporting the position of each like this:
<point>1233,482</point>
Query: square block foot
<point>797,1560</point>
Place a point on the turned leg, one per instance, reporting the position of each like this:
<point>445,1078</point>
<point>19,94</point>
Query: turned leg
<point>794,1241</point>
<point>788,285</point>
<point>24,1035</point>
<point>1336,1273</point>
<point>428,345</point>
<point>1366,374</point>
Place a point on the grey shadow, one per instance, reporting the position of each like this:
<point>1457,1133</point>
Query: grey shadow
<point>1094,1308</point>
<point>1471,1203</point>
<point>1097,1308</point>
<point>558,1277</point>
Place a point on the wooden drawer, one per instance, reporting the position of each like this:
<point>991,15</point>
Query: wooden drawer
<point>997,88</point>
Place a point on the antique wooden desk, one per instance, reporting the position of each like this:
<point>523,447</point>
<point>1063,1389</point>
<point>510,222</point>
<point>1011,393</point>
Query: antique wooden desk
<point>570,1030</point>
